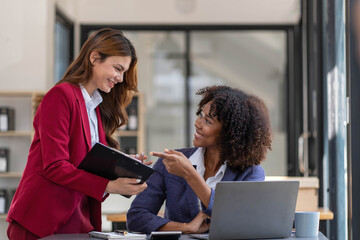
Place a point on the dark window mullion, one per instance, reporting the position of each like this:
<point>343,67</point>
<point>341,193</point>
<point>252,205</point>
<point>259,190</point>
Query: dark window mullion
<point>188,122</point>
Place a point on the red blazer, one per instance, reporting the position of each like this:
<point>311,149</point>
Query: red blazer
<point>52,187</point>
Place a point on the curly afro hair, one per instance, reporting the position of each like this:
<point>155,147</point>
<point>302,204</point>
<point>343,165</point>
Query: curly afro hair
<point>246,133</point>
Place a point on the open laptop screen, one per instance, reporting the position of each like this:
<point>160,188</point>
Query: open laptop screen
<point>248,210</point>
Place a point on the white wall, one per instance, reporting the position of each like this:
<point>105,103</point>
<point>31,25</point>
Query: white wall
<point>25,44</point>
<point>27,26</point>
<point>68,7</point>
<point>189,11</point>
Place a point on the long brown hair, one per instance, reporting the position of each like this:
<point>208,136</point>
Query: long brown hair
<point>107,42</point>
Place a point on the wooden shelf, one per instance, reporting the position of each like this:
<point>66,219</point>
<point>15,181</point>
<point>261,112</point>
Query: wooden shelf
<point>326,214</point>
<point>20,93</point>
<point>16,94</point>
<point>121,217</point>
<point>126,133</point>
<point>116,217</point>
<point>16,134</point>
<point>11,175</point>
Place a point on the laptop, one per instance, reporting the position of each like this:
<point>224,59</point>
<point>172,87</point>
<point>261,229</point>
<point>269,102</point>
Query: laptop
<point>250,210</point>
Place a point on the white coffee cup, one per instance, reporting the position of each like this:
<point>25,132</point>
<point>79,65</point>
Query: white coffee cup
<point>307,224</point>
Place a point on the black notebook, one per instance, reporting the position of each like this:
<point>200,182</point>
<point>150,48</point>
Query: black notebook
<point>111,164</point>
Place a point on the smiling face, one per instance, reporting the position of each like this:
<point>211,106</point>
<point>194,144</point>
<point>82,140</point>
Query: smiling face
<point>106,73</point>
<point>207,129</point>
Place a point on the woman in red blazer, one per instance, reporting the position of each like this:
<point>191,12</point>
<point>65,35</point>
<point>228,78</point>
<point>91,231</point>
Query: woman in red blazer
<point>53,195</point>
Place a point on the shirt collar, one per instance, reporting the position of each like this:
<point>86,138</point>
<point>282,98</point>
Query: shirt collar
<point>197,159</point>
<point>222,169</point>
<point>91,101</point>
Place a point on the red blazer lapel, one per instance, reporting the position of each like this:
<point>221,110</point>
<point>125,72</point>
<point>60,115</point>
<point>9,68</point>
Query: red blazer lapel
<point>84,115</point>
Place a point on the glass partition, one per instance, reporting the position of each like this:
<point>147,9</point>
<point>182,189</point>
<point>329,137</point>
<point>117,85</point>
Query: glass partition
<point>161,79</point>
<point>254,61</point>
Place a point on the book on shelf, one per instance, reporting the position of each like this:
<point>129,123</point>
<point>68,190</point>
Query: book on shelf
<point>110,163</point>
<point>132,113</point>
<point>3,201</point>
<point>7,119</point>
<point>4,160</point>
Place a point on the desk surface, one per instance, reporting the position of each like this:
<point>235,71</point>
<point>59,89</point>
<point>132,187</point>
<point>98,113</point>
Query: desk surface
<point>85,236</point>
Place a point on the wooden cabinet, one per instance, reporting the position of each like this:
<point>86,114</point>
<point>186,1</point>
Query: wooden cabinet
<point>307,199</point>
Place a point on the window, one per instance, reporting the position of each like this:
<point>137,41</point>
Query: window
<point>171,70</point>
<point>63,45</point>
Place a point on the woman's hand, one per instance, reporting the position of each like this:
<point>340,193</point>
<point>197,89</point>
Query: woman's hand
<point>142,157</point>
<point>125,186</point>
<point>198,224</point>
<point>175,162</point>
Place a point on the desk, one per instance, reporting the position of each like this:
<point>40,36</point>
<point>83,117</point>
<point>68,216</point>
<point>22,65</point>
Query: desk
<point>85,236</point>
